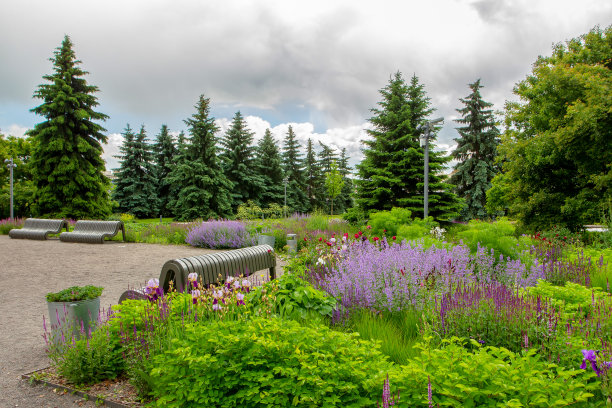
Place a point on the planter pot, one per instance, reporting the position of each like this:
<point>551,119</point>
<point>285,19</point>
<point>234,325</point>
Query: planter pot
<point>292,243</point>
<point>71,315</point>
<point>266,240</point>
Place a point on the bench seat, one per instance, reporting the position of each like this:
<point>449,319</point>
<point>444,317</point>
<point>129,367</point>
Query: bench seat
<point>93,232</point>
<point>37,228</point>
<point>212,268</point>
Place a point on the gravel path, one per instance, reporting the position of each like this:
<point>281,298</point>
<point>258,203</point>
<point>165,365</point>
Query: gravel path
<point>31,269</point>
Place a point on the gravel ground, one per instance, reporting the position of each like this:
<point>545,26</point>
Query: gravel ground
<point>31,269</point>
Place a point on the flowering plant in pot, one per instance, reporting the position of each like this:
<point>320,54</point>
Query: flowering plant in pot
<point>74,309</point>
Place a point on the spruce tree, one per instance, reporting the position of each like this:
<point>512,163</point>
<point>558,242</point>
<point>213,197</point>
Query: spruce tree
<point>204,191</point>
<point>165,155</point>
<point>238,156</point>
<point>391,173</point>
<point>67,159</point>
<point>124,183</point>
<point>476,150</point>
<point>326,156</point>
<point>268,164</point>
<point>314,178</point>
<point>345,199</point>
<point>293,165</point>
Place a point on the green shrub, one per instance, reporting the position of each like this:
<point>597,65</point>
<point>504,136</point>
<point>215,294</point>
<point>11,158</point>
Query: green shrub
<point>87,361</point>
<point>387,222</point>
<point>294,298</point>
<point>601,269</point>
<point>7,224</point>
<point>354,216</point>
<point>496,235</point>
<point>268,363</point>
<point>571,297</point>
<point>487,377</point>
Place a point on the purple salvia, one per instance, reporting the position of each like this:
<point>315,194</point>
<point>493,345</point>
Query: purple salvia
<point>429,393</point>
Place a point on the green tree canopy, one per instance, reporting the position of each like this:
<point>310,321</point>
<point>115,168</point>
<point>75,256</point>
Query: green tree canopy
<point>269,168</point>
<point>557,149</point>
<point>136,188</point>
<point>67,162</point>
<point>238,157</point>
<point>165,154</point>
<point>333,183</point>
<point>475,152</point>
<point>204,191</point>
<point>20,150</point>
<point>391,173</point>
<point>293,166</point>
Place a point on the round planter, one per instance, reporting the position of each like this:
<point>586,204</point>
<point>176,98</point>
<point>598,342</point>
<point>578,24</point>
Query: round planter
<point>266,240</point>
<point>292,243</point>
<point>71,315</point>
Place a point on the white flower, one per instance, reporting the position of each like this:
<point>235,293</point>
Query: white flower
<point>246,283</point>
<point>332,240</point>
<point>195,293</point>
<point>344,247</point>
<point>237,284</point>
<point>239,296</point>
<point>193,276</point>
<point>320,261</point>
<point>216,306</point>
<point>229,279</point>
<point>217,294</point>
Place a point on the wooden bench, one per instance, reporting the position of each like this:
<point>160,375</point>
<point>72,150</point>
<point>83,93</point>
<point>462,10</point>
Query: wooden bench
<point>211,268</point>
<point>93,232</point>
<point>37,228</point>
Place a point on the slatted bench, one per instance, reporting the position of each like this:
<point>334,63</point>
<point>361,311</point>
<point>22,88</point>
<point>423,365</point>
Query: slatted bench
<point>37,228</point>
<point>212,268</point>
<point>93,232</point>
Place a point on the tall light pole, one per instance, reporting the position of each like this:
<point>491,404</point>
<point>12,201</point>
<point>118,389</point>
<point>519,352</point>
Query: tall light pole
<point>11,166</point>
<point>285,181</point>
<point>424,141</point>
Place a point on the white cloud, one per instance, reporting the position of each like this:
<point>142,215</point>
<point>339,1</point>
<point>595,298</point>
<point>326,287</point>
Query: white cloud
<point>111,148</point>
<point>15,130</point>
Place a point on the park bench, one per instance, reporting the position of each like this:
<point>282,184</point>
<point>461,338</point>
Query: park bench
<point>36,228</point>
<point>93,232</point>
<point>211,268</point>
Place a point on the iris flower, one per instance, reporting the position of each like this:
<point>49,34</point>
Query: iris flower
<point>590,355</point>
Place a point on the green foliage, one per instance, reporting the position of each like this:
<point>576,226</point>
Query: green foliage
<point>389,220</point>
<point>333,183</point>
<point>20,150</point>
<point>267,362</point>
<point>165,154</point>
<point>237,157</point>
<point>156,233</point>
<point>487,377</point>
<point>556,150</point>
<point>496,235</point>
<point>314,178</point>
<point>268,165</point>
<point>293,166</point>
<point>66,161</point>
<point>355,216</point>
<point>601,269</point>
<point>7,224</point>
<point>475,153</point>
<point>75,293</point>
<point>87,361</point>
<point>391,173</point>
<point>397,332</point>
<point>294,298</point>
<point>571,298</point>
<point>136,186</point>
<point>204,190</point>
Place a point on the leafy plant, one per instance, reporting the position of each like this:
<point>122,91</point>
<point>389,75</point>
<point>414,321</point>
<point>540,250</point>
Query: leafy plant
<point>267,362</point>
<point>572,297</point>
<point>7,224</point>
<point>75,294</point>
<point>496,235</point>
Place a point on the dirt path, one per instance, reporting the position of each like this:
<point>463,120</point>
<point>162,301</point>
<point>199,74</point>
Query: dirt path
<point>31,269</point>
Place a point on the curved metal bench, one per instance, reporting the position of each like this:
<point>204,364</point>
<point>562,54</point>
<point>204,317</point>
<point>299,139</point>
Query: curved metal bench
<point>212,268</point>
<point>37,228</point>
<point>93,232</point>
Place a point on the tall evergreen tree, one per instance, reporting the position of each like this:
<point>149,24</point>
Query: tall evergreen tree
<point>345,200</point>
<point>136,185</point>
<point>391,173</point>
<point>314,178</point>
<point>67,159</point>
<point>268,164</point>
<point>165,155</point>
<point>204,191</point>
<point>476,150</point>
<point>326,156</point>
<point>293,165</point>
<point>238,156</point>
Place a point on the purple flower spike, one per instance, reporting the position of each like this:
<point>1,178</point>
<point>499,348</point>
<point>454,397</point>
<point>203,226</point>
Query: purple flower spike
<point>590,356</point>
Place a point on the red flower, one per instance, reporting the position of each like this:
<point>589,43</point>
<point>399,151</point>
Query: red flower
<point>360,233</point>
<point>376,239</point>
<point>564,237</point>
<point>305,239</point>
<point>394,237</point>
<point>384,230</point>
<point>368,227</point>
<point>269,251</point>
<point>356,236</point>
<point>328,243</point>
<point>320,239</point>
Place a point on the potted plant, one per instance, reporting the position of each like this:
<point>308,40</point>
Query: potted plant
<point>265,236</point>
<point>75,308</point>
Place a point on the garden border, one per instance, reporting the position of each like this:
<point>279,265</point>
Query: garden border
<point>30,377</point>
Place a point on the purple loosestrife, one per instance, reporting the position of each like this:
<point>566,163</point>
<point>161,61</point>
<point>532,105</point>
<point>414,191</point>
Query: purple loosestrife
<point>220,234</point>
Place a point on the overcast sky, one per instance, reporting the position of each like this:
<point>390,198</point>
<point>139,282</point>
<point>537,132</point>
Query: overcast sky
<point>317,65</point>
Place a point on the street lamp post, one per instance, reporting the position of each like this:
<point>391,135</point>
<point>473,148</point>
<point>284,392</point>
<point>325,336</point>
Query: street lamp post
<point>424,141</point>
<point>11,166</point>
<point>285,181</point>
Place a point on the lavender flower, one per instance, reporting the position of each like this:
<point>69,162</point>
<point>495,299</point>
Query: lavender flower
<point>220,234</point>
